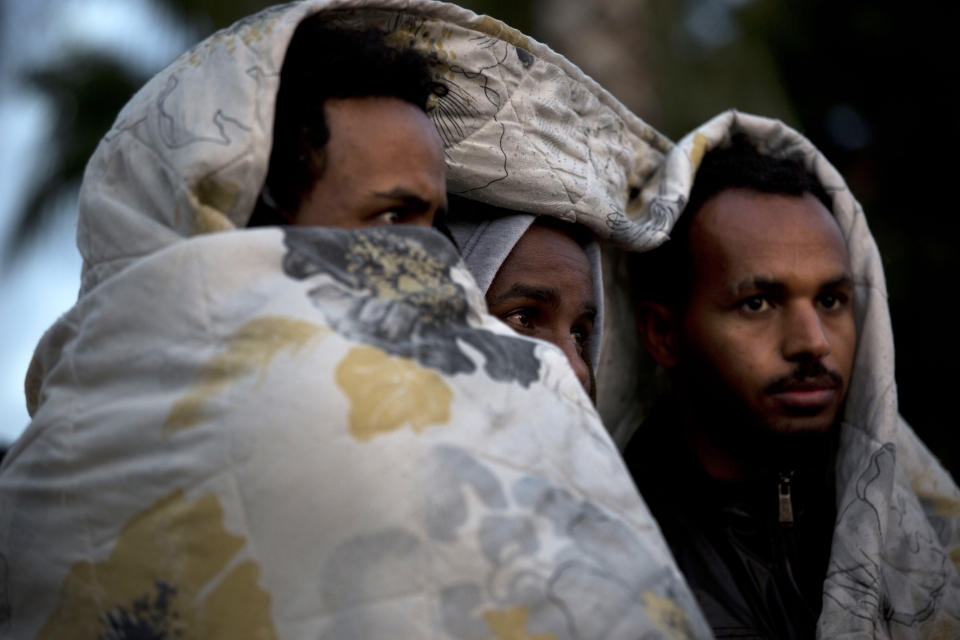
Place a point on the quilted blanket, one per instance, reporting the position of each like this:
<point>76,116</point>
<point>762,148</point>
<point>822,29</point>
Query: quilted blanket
<point>318,433</point>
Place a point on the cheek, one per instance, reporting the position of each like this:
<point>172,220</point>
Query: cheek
<point>730,351</point>
<point>843,341</point>
<point>422,221</point>
<point>716,338</point>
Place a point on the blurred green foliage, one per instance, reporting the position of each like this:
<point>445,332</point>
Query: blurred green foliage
<point>80,90</point>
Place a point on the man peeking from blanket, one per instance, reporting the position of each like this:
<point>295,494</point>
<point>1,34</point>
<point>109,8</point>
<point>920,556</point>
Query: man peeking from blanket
<point>353,147</point>
<point>352,143</point>
<point>540,275</point>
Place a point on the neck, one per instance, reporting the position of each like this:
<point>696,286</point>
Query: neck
<point>717,461</point>
<point>728,450</point>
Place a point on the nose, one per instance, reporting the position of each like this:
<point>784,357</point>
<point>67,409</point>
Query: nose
<point>580,366</point>
<point>803,333</point>
<point>435,215</point>
<point>424,219</point>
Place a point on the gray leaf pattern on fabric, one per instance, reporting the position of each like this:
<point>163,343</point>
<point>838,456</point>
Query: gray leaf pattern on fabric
<point>392,288</point>
<point>370,558</point>
<point>590,585</point>
<point>455,472</point>
<point>869,578</point>
<point>370,564</point>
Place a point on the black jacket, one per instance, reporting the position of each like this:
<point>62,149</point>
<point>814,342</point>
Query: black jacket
<point>754,551</point>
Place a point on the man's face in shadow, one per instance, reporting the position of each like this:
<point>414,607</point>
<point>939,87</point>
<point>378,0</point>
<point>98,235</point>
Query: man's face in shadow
<point>383,164</point>
<point>544,289</point>
<point>767,336</point>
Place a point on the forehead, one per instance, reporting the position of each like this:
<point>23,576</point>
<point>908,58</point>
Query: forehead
<point>547,257</point>
<point>545,249</point>
<point>740,233</point>
<point>378,129</point>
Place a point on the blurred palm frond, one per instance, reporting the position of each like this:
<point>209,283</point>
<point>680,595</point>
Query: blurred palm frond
<point>85,91</point>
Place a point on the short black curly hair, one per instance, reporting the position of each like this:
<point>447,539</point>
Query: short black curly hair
<point>324,62</point>
<point>663,274</point>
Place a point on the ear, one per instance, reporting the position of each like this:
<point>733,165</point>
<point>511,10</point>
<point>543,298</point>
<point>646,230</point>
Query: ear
<point>657,324</point>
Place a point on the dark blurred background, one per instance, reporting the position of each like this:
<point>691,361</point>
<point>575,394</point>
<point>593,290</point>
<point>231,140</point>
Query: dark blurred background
<point>870,83</point>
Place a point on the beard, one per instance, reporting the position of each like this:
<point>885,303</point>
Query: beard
<point>761,441</point>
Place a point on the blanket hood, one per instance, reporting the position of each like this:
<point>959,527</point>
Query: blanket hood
<point>896,549</point>
<point>522,128</point>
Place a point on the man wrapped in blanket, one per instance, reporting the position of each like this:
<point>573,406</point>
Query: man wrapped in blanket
<point>797,501</point>
<point>298,431</point>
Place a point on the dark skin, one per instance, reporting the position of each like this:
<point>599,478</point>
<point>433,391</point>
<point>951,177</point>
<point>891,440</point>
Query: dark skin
<point>544,289</point>
<point>383,165</point>
<point>761,350</point>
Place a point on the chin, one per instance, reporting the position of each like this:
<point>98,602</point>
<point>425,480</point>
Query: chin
<point>799,442</point>
<point>799,420</point>
<point>798,426</point>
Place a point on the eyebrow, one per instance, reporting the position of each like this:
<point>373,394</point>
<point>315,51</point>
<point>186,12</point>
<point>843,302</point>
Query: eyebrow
<point>843,282</point>
<point>548,295</point>
<point>768,284</point>
<point>754,283</point>
<point>410,200</point>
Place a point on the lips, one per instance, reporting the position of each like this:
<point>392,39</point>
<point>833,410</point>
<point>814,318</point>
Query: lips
<point>809,395</point>
<point>807,399</point>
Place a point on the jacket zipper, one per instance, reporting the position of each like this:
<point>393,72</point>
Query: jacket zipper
<point>786,537</point>
<point>785,498</point>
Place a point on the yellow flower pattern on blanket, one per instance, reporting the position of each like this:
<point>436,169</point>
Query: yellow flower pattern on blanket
<point>249,349</point>
<point>936,496</point>
<point>386,393</point>
<point>667,615</point>
<point>169,575</point>
<point>511,624</point>
<point>697,151</point>
<point>406,271</point>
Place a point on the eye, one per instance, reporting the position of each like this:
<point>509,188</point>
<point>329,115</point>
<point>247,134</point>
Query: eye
<point>581,335</point>
<point>389,217</point>
<point>833,301</point>
<point>520,319</point>
<point>755,304</point>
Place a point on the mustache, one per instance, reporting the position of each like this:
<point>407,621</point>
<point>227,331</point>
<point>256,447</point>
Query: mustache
<point>809,374</point>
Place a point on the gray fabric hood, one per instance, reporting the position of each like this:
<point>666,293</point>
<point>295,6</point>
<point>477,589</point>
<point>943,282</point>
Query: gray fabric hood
<point>522,129</point>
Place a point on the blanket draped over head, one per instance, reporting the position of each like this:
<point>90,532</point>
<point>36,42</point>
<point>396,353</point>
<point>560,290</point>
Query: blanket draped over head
<point>893,569</point>
<point>318,433</point>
